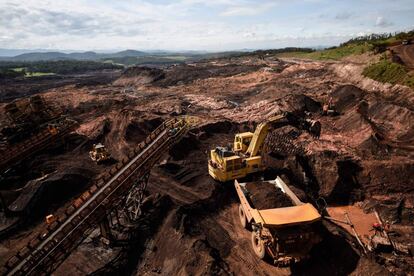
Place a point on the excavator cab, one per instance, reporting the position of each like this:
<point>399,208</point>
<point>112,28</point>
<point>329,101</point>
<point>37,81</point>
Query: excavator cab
<point>225,164</point>
<point>242,141</point>
<point>223,152</point>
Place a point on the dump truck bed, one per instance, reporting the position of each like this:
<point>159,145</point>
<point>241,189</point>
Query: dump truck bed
<point>299,213</point>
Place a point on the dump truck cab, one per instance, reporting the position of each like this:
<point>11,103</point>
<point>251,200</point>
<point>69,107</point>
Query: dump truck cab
<point>285,234</point>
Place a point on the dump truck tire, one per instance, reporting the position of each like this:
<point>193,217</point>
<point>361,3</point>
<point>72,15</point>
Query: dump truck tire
<point>258,246</point>
<point>243,218</point>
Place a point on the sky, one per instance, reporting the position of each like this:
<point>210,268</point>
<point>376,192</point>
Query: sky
<point>211,25</point>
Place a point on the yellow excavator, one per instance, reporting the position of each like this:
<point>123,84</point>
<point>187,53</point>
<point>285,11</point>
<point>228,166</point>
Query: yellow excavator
<point>226,164</point>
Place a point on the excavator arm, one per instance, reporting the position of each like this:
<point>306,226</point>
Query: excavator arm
<point>225,164</point>
<point>278,121</point>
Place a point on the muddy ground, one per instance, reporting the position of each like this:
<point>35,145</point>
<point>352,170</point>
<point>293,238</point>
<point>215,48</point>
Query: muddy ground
<point>11,89</point>
<point>364,155</point>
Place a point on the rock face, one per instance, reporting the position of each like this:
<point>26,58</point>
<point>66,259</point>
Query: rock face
<point>140,76</point>
<point>347,96</point>
<point>367,149</point>
<point>37,194</point>
<point>336,176</point>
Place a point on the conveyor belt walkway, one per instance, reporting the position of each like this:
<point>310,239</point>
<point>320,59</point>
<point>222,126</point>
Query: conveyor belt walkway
<point>37,142</point>
<point>44,254</point>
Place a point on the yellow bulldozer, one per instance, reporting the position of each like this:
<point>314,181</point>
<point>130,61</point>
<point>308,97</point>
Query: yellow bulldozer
<point>245,158</point>
<point>99,153</point>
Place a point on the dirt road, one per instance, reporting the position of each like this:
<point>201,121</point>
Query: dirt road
<point>406,53</point>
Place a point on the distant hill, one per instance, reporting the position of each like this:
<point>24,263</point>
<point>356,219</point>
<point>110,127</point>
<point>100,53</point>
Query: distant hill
<point>39,56</point>
<point>14,52</point>
<point>53,56</point>
<point>127,53</point>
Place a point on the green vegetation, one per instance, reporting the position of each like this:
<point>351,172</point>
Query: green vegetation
<point>380,42</point>
<point>10,73</point>
<point>177,58</point>
<point>283,52</point>
<point>334,53</point>
<point>341,52</point>
<point>38,74</point>
<point>409,80</point>
<point>19,69</point>
<point>386,71</point>
<point>355,46</point>
<point>383,71</point>
<point>146,60</point>
<point>12,69</point>
<point>26,73</point>
<point>69,66</point>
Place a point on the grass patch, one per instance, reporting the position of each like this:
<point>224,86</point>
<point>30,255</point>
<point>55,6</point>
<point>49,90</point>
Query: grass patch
<point>409,81</point>
<point>292,54</point>
<point>341,52</point>
<point>37,74</point>
<point>19,69</point>
<point>386,71</point>
<point>336,53</point>
<point>378,43</point>
<point>179,58</point>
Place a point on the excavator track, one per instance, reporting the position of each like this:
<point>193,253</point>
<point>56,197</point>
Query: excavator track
<point>45,253</point>
<point>35,143</point>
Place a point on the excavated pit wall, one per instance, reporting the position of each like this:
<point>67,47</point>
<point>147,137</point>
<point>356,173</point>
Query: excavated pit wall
<point>342,165</point>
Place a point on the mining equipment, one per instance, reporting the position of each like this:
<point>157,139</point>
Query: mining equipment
<point>50,219</point>
<point>99,153</point>
<point>284,234</point>
<point>48,135</point>
<point>244,158</point>
<point>32,125</point>
<point>26,117</point>
<point>110,192</point>
<point>329,109</point>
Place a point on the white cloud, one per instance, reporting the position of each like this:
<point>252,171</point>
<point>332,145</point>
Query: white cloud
<point>249,34</point>
<point>247,9</point>
<point>183,24</point>
<point>343,15</point>
<point>382,22</point>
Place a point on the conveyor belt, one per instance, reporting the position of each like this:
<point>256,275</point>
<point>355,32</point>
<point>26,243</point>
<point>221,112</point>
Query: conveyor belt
<point>45,253</point>
<point>36,143</point>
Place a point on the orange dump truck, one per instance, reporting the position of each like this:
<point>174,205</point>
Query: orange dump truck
<point>286,234</point>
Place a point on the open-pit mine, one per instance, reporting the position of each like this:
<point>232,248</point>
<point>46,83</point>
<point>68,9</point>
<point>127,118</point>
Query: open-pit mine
<point>246,165</point>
